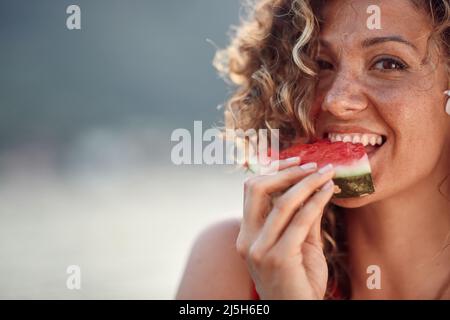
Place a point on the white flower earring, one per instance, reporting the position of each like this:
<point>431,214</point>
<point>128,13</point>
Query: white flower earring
<point>447,106</point>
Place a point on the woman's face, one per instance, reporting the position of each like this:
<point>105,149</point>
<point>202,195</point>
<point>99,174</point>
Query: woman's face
<point>382,81</point>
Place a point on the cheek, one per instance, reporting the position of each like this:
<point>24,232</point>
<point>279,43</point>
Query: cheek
<point>404,114</point>
<point>411,116</point>
<point>412,106</point>
<point>417,135</point>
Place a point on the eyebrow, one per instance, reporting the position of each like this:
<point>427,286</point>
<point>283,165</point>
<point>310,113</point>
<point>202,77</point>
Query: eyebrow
<point>375,41</point>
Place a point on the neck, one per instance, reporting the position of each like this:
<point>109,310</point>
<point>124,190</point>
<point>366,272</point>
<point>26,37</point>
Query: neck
<point>408,237</point>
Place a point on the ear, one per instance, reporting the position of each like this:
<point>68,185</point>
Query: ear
<point>447,93</point>
<point>447,106</point>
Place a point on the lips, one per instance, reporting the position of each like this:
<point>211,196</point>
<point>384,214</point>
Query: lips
<point>370,149</point>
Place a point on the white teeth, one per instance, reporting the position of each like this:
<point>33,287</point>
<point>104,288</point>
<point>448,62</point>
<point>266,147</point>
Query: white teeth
<point>365,139</point>
<point>347,139</point>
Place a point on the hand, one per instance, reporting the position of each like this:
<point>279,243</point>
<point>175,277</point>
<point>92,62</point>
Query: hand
<point>280,236</point>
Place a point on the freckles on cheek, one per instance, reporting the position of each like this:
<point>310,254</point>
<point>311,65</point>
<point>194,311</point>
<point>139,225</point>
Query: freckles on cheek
<point>413,125</point>
<point>405,113</point>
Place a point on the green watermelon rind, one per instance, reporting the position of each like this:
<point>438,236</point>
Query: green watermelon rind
<point>355,186</point>
<point>354,179</point>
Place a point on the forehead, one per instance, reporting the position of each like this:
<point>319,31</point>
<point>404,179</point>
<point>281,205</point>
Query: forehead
<point>347,21</point>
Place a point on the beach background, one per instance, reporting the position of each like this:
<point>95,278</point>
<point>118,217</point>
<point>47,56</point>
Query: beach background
<point>86,117</point>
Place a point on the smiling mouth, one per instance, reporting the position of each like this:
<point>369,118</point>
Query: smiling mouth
<point>371,141</point>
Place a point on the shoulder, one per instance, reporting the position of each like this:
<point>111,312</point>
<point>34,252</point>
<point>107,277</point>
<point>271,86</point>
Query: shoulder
<point>214,269</point>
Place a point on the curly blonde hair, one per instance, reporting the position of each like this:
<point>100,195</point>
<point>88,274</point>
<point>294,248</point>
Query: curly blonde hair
<point>271,64</point>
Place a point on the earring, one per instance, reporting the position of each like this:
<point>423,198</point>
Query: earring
<point>447,106</point>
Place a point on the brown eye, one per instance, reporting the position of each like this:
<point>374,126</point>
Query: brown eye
<point>390,64</point>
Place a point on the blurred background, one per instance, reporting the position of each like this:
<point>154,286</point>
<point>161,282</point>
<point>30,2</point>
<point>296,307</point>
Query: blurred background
<point>86,118</point>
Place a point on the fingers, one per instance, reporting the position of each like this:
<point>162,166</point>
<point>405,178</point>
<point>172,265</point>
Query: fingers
<point>258,190</point>
<point>268,184</point>
<point>296,195</point>
<point>314,233</point>
<point>305,219</point>
<point>258,200</point>
<point>279,165</point>
<point>287,205</point>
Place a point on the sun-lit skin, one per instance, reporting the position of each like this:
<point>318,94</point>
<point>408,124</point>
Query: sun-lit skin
<point>394,89</point>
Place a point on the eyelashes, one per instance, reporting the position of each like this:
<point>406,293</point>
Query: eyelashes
<point>383,64</point>
<point>389,63</point>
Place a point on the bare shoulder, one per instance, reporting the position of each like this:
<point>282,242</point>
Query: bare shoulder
<point>214,269</point>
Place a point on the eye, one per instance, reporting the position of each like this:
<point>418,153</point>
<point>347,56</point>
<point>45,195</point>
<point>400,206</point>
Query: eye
<point>386,64</point>
<point>324,65</point>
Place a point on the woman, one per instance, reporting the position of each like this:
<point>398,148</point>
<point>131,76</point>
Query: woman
<point>314,68</point>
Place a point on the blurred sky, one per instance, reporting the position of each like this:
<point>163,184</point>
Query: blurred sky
<point>85,123</point>
<point>144,62</point>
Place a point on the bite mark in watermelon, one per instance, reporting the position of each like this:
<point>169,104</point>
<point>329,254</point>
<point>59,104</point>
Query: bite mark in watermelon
<point>350,161</point>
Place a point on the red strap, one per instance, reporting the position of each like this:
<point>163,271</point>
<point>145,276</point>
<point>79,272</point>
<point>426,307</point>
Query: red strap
<point>255,295</point>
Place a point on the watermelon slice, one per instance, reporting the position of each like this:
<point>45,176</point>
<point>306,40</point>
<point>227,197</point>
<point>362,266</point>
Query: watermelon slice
<point>353,175</point>
<point>351,164</point>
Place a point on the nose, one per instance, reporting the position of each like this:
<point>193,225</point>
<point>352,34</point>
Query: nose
<point>345,97</point>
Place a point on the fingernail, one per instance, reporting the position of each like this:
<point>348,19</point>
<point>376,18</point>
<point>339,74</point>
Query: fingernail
<point>293,159</point>
<point>309,166</point>
<point>326,169</point>
<point>327,186</point>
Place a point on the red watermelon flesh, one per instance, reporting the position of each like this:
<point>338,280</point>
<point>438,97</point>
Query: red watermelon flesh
<point>324,152</point>
<point>351,164</point>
